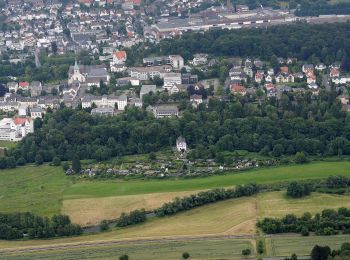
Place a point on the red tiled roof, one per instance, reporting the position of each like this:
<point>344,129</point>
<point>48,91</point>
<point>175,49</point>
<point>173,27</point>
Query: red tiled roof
<point>21,120</point>
<point>120,55</point>
<point>24,84</point>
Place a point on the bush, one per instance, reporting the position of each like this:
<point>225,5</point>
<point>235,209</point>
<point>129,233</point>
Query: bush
<point>124,257</point>
<point>56,161</point>
<point>260,247</point>
<point>185,255</point>
<point>246,252</point>
<point>104,226</point>
<point>305,232</point>
<point>298,190</point>
<point>39,159</point>
<point>134,217</point>
<point>300,157</point>
<point>21,161</point>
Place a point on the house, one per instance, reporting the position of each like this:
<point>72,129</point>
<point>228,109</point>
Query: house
<point>313,85</point>
<point>23,85</point>
<point>36,88</point>
<point>334,72</point>
<point>188,78</point>
<point>12,86</point>
<point>238,89</point>
<point>259,76</point>
<point>119,57</point>
<point>181,145</point>
<point>320,67</point>
<point>165,111</point>
<point>171,79</point>
<point>146,89</point>
<point>268,78</point>
<point>147,73</point>
<point>237,74</point>
<point>284,78</point>
<point>14,129</point>
<point>196,100</point>
<point>310,78</point>
<point>308,68</point>
<point>9,106</point>
<point>176,61</point>
<point>90,75</point>
<point>284,70</point>
<point>200,59</point>
<point>36,112</point>
<point>271,90</point>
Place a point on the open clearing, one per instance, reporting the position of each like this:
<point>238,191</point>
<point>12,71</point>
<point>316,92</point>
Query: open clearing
<point>287,245</point>
<point>209,249</point>
<point>91,211</point>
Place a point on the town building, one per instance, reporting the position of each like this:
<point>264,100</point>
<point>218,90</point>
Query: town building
<point>14,129</point>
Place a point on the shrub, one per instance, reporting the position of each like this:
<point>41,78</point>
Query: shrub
<point>104,226</point>
<point>246,252</point>
<point>185,255</point>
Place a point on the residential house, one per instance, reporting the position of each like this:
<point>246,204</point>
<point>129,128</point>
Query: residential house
<point>14,129</point>
<point>36,88</point>
<point>36,112</point>
<point>103,111</point>
<point>238,89</point>
<point>284,78</point>
<point>176,61</point>
<point>196,100</point>
<point>200,59</point>
<point>147,73</point>
<point>307,68</point>
<point>320,67</point>
<point>259,76</point>
<point>12,86</point>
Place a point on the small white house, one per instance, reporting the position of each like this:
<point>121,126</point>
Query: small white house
<point>181,144</point>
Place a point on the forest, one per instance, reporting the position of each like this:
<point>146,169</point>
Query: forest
<point>275,127</point>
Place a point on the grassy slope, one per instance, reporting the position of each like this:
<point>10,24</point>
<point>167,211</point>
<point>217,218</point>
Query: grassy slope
<point>32,188</point>
<point>285,173</point>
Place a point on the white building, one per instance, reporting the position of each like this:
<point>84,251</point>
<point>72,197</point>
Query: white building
<point>181,144</point>
<point>176,61</point>
<point>119,102</point>
<point>14,129</point>
<point>171,79</point>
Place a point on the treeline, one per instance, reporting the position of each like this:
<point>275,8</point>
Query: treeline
<point>187,203</point>
<point>326,253</point>
<point>329,222</point>
<point>134,217</point>
<point>294,123</point>
<point>205,197</point>
<point>322,7</point>
<point>19,225</point>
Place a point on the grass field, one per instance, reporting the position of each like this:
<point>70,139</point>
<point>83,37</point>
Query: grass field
<point>287,245</point>
<point>8,144</point>
<point>31,188</point>
<point>91,211</point>
<point>45,190</point>
<point>93,189</point>
<point>209,249</point>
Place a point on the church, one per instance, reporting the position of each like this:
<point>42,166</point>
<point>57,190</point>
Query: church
<point>91,75</point>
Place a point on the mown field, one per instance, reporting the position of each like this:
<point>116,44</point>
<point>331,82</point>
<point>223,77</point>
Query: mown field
<point>286,245</point>
<point>208,249</point>
<point>45,190</point>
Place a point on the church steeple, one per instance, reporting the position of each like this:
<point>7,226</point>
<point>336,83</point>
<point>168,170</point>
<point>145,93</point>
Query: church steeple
<point>76,66</point>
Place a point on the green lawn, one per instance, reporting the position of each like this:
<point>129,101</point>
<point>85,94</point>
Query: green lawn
<point>86,189</point>
<point>8,144</point>
<point>208,249</point>
<point>32,188</point>
<point>287,245</point>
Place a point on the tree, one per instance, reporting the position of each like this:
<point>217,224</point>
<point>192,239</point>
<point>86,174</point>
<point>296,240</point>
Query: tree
<point>39,159</point>
<point>260,247</point>
<point>278,150</point>
<point>21,161</point>
<point>300,157</point>
<point>124,257</point>
<point>246,252</point>
<point>76,165</point>
<point>185,255</point>
<point>152,156</point>
<point>298,190</point>
<point>320,252</point>
<point>104,226</point>
<point>56,161</point>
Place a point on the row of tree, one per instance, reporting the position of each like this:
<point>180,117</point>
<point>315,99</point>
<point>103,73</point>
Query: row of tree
<point>19,225</point>
<point>329,222</point>
<point>205,197</point>
<point>134,217</point>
